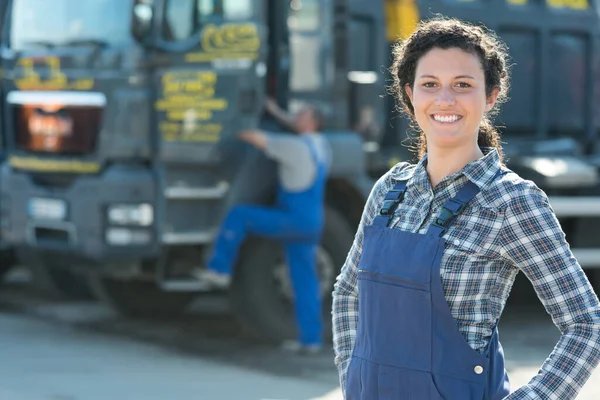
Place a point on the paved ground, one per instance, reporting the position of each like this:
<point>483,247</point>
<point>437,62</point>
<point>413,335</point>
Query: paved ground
<point>43,361</point>
<point>54,349</point>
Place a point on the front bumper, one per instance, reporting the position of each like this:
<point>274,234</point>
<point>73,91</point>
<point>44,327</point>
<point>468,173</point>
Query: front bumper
<point>80,237</point>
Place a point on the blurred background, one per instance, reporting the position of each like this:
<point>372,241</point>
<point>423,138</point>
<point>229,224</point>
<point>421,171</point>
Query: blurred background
<point>119,160</point>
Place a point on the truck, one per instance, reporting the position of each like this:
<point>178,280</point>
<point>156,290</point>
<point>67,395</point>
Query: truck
<point>122,115</point>
<point>7,256</point>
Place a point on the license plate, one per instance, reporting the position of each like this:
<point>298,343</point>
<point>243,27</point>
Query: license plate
<point>41,208</point>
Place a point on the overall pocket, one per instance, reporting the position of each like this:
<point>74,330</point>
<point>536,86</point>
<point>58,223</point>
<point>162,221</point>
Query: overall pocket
<point>395,322</point>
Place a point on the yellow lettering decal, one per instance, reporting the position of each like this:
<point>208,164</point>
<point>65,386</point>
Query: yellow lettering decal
<point>31,80</point>
<point>201,133</point>
<point>517,2</point>
<point>569,4</point>
<point>188,105</point>
<point>70,166</point>
<point>229,41</point>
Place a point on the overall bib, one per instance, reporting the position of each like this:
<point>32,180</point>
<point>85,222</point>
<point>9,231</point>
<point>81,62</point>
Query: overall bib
<point>297,221</point>
<point>408,345</point>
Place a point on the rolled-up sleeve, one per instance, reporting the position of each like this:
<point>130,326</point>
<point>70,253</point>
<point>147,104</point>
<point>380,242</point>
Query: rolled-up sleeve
<point>286,149</point>
<point>533,241</point>
<point>345,294</point>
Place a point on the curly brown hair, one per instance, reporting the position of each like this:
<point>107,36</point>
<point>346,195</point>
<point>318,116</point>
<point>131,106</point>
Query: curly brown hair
<point>444,33</point>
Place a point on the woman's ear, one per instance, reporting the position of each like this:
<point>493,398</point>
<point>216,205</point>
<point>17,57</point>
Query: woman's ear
<point>491,99</point>
<point>409,92</point>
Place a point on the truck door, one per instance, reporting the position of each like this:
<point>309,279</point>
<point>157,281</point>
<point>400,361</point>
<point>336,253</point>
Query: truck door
<point>209,79</point>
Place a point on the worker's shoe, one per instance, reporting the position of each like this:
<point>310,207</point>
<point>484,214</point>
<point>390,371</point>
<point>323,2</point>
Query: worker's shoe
<point>293,346</point>
<point>214,279</point>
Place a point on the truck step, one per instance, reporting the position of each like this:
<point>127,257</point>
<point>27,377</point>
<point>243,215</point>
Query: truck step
<point>202,237</point>
<point>191,193</point>
<point>184,285</point>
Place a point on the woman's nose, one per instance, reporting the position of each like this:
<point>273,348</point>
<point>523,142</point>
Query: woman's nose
<point>445,98</point>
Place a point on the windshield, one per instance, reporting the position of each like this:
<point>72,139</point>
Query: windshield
<point>68,22</point>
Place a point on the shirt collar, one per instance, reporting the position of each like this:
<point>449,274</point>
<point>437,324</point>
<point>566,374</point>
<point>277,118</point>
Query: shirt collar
<point>481,172</point>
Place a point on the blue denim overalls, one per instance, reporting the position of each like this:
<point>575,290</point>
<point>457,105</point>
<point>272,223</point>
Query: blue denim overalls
<point>297,220</point>
<point>408,345</point>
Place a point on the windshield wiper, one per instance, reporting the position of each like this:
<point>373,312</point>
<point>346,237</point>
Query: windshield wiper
<point>41,43</point>
<point>97,43</point>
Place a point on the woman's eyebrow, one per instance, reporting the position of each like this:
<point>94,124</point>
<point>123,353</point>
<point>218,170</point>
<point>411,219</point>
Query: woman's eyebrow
<point>456,77</point>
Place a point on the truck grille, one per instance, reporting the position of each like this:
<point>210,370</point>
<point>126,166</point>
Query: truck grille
<point>56,129</point>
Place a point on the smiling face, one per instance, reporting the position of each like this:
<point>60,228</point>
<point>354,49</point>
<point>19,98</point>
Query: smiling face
<point>449,97</point>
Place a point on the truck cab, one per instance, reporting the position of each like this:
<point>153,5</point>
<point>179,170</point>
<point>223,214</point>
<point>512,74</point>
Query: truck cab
<point>122,157</point>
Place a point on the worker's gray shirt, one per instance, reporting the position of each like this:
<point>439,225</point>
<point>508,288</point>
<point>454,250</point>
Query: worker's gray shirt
<point>297,168</point>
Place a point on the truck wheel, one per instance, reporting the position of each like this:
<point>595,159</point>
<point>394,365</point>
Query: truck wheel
<point>7,261</point>
<point>138,298</point>
<point>261,294</point>
<point>61,281</point>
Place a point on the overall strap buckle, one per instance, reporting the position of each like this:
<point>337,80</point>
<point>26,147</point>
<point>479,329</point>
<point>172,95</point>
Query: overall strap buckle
<point>453,207</point>
<point>449,211</point>
<point>392,199</point>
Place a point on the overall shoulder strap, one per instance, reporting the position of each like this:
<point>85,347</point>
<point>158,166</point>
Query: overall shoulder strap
<point>453,207</point>
<point>390,202</point>
<point>320,164</point>
<point>312,149</point>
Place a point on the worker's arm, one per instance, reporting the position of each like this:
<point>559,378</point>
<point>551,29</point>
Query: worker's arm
<point>280,115</point>
<point>532,240</point>
<point>283,148</point>
<point>255,137</point>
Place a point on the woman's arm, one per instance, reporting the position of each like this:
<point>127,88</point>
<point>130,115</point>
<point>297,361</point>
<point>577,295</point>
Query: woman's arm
<point>533,241</point>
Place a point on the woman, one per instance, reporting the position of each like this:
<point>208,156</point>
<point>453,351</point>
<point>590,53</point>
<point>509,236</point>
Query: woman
<point>441,242</point>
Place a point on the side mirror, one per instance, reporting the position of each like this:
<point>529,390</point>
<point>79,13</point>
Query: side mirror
<point>142,19</point>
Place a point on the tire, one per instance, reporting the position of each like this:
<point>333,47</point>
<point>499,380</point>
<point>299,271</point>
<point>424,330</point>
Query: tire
<point>261,300</point>
<point>72,285</point>
<point>139,299</point>
<point>7,261</point>
<point>60,281</point>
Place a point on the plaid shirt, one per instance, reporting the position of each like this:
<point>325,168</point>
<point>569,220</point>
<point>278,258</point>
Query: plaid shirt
<point>508,227</point>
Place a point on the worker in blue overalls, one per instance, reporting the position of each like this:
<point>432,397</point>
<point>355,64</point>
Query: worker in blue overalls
<point>297,218</point>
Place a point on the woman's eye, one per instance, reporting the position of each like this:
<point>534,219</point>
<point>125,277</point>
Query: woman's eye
<point>463,85</point>
<point>429,84</point>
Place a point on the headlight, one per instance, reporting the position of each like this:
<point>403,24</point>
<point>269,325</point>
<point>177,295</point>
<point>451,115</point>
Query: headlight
<point>131,214</point>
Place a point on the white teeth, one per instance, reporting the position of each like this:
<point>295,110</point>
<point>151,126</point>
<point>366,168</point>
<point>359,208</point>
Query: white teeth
<point>446,118</point>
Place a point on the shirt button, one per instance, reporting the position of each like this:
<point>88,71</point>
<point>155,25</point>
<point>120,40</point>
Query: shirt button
<point>456,242</point>
<point>478,370</point>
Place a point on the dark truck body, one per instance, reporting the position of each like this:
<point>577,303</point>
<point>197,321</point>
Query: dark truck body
<point>129,143</point>
<point>146,122</point>
<point>96,121</point>
<point>6,252</point>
